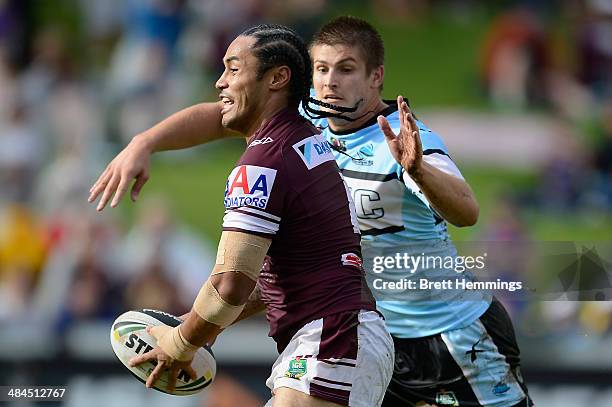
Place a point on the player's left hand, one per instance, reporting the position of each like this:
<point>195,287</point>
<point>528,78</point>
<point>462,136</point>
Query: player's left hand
<point>406,146</point>
<point>164,361</point>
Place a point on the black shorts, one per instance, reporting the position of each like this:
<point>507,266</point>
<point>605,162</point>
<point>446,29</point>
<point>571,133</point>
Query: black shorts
<point>473,366</point>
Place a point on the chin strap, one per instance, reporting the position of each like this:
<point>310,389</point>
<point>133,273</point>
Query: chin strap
<point>319,114</point>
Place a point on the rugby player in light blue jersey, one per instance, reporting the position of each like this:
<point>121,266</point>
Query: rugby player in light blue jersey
<point>449,351</point>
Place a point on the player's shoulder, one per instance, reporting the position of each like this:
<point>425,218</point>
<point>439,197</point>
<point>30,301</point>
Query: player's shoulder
<point>292,144</point>
<point>307,152</point>
<point>430,139</point>
<point>393,117</point>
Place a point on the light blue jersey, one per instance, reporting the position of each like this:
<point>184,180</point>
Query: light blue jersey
<point>395,216</point>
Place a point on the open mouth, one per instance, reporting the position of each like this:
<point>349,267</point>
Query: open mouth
<point>227,104</point>
<point>333,99</point>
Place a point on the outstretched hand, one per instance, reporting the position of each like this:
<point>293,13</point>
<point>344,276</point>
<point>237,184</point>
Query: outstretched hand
<point>406,146</point>
<point>132,163</point>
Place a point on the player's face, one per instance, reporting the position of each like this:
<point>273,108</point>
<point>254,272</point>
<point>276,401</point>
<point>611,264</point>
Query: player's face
<point>242,95</point>
<point>340,77</point>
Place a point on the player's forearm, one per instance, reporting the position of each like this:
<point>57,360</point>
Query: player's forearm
<point>198,331</point>
<point>233,288</point>
<point>189,127</point>
<point>223,296</point>
<point>253,306</point>
<point>450,196</point>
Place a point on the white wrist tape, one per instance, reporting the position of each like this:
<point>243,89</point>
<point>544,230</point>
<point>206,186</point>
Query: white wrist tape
<point>211,307</point>
<point>173,343</point>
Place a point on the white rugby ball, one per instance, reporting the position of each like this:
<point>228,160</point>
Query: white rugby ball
<point>129,338</point>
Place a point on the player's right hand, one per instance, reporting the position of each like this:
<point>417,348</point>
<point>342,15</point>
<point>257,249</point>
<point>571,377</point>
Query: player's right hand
<point>163,361</point>
<point>132,163</point>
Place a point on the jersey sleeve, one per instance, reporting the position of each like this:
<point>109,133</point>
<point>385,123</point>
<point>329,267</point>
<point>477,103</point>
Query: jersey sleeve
<point>254,196</point>
<point>436,153</point>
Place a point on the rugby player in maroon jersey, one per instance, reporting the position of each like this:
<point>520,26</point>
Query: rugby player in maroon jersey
<point>287,203</point>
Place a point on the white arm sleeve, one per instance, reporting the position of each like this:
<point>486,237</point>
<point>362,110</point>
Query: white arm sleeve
<point>443,163</point>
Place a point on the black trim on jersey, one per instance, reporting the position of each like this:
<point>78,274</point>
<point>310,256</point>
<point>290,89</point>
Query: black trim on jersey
<point>373,120</point>
<point>369,176</point>
<point>437,218</point>
<point>250,232</point>
<point>376,232</point>
<point>435,151</point>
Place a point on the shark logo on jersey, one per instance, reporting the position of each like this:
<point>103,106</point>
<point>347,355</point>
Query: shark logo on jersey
<point>249,185</point>
<point>363,154</point>
<point>314,151</point>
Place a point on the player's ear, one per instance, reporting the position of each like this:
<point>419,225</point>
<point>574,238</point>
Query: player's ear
<point>378,76</point>
<point>280,76</point>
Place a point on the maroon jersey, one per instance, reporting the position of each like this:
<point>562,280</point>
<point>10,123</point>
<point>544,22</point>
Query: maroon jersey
<point>287,186</point>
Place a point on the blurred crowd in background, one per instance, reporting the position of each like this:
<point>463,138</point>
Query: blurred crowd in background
<point>78,79</point>
<point>525,65</point>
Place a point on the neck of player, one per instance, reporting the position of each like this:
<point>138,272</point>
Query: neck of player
<point>367,111</point>
<point>273,105</point>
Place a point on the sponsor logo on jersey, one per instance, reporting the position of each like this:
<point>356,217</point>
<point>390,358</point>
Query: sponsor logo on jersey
<point>249,185</point>
<point>297,368</point>
<point>361,159</point>
<point>314,151</point>
<point>265,140</point>
<point>447,398</point>
<point>351,259</point>
<point>339,144</point>
<point>500,388</point>
<point>367,150</point>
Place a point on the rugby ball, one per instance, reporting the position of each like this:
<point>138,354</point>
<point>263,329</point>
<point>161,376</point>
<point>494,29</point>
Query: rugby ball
<point>129,338</point>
